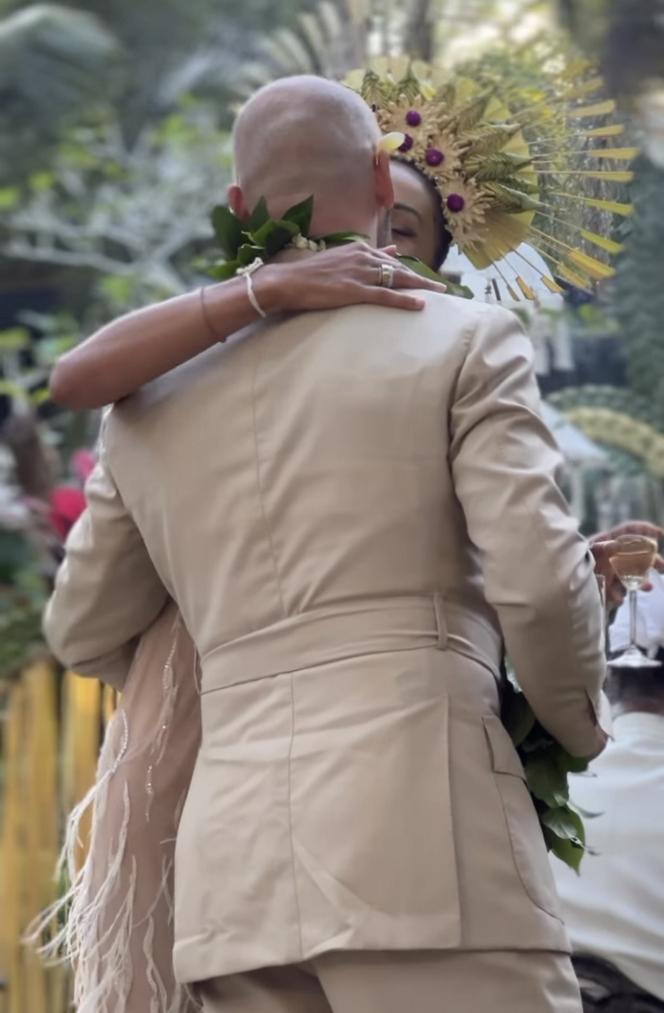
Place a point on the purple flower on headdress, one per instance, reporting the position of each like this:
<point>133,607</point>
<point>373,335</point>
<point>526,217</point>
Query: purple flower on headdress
<point>434,157</point>
<point>413,118</point>
<point>407,144</point>
<point>455,203</point>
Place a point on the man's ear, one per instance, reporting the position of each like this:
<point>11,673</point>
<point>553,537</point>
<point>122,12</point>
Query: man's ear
<point>237,203</point>
<point>383,180</point>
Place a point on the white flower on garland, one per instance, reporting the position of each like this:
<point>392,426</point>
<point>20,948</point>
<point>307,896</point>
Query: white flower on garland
<point>301,242</point>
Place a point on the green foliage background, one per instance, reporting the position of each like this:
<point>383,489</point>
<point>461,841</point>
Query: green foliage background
<point>114,146</point>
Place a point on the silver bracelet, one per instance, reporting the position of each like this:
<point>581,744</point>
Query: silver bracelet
<point>206,316</point>
<point>247,272</point>
<point>252,297</point>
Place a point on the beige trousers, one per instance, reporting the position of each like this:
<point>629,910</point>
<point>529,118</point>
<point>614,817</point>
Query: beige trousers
<point>399,982</point>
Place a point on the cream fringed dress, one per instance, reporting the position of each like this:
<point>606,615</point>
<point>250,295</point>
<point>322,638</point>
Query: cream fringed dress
<point>118,932</point>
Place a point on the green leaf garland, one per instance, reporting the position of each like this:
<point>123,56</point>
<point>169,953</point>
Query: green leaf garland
<point>241,242</point>
<point>547,767</point>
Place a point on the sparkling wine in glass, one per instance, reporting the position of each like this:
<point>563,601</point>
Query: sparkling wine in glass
<point>631,562</point>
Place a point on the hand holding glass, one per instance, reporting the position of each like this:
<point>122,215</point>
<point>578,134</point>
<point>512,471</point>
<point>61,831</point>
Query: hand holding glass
<point>631,562</point>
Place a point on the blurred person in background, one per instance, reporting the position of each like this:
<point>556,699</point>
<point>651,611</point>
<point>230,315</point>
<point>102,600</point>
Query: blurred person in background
<point>615,908</point>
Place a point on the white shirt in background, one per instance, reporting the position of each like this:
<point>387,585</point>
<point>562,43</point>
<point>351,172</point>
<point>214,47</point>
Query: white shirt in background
<point>615,908</point>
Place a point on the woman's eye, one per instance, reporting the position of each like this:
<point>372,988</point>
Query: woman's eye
<point>403,232</point>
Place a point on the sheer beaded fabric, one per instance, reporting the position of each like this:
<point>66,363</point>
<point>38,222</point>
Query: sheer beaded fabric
<point>118,912</point>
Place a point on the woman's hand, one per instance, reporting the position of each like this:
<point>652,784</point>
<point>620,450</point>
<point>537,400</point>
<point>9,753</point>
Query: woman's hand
<point>343,276</point>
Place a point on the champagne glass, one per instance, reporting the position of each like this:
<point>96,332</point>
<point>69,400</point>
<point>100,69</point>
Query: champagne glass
<point>631,563</point>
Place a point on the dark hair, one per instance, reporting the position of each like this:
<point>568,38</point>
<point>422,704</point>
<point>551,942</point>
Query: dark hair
<point>638,689</point>
<point>444,236</point>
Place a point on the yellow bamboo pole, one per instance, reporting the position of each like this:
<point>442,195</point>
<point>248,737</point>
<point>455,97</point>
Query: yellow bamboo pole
<point>12,867</point>
<point>47,769</point>
<point>109,704</point>
<point>42,823</point>
<point>82,712</point>
<point>29,835</point>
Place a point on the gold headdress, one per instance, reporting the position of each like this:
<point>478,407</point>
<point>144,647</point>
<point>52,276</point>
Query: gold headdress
<point>514,161</point>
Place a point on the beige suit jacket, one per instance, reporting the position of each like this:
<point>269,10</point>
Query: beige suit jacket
<point>351,509</point>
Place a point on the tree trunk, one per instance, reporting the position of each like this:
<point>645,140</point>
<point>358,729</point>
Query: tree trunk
<point>419,38</point>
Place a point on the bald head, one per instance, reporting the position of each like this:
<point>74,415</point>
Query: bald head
<point>305,135</point>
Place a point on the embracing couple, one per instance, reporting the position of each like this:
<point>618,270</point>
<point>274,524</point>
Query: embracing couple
<point>304,554</point>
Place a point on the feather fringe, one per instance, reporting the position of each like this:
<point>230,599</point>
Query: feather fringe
<point>117,950</point>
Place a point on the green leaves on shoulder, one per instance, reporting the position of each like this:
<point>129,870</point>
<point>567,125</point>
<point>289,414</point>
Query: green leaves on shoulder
<point>228,230</point>
<point>300,215</point>
<point>419,267</point>
<point>343,238</point>
<point>241,241</point>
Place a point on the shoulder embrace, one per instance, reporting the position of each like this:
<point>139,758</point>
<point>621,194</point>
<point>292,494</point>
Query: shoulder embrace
<point>479,325</point>
<point>472,313</point>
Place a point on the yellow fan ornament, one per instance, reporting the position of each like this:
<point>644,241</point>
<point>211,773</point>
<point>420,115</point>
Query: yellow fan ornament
<point>513,161</point>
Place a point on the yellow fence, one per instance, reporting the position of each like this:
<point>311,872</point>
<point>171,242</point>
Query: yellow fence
<point>50,738</point>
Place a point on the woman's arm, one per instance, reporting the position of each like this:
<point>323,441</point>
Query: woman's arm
<point>122,356</point>
<point>136,348</point>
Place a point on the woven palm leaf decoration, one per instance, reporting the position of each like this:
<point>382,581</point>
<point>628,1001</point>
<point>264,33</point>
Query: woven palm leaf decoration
<point>518,155</point>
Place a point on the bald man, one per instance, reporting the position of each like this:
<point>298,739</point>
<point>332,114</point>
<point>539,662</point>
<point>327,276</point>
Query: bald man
<point>352,511</point>
<point>305,136</point>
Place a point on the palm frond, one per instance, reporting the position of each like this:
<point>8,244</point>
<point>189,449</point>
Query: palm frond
<point>54,58</point>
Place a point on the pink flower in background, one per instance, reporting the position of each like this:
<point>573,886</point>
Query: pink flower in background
<point>67,505</point>
<point>68,501</point>
<point>82,464</point>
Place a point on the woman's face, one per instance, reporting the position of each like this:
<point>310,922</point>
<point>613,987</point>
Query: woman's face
<point>415,215</point>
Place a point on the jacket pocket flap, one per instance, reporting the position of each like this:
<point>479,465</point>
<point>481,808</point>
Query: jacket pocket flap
<point>504,757</point>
